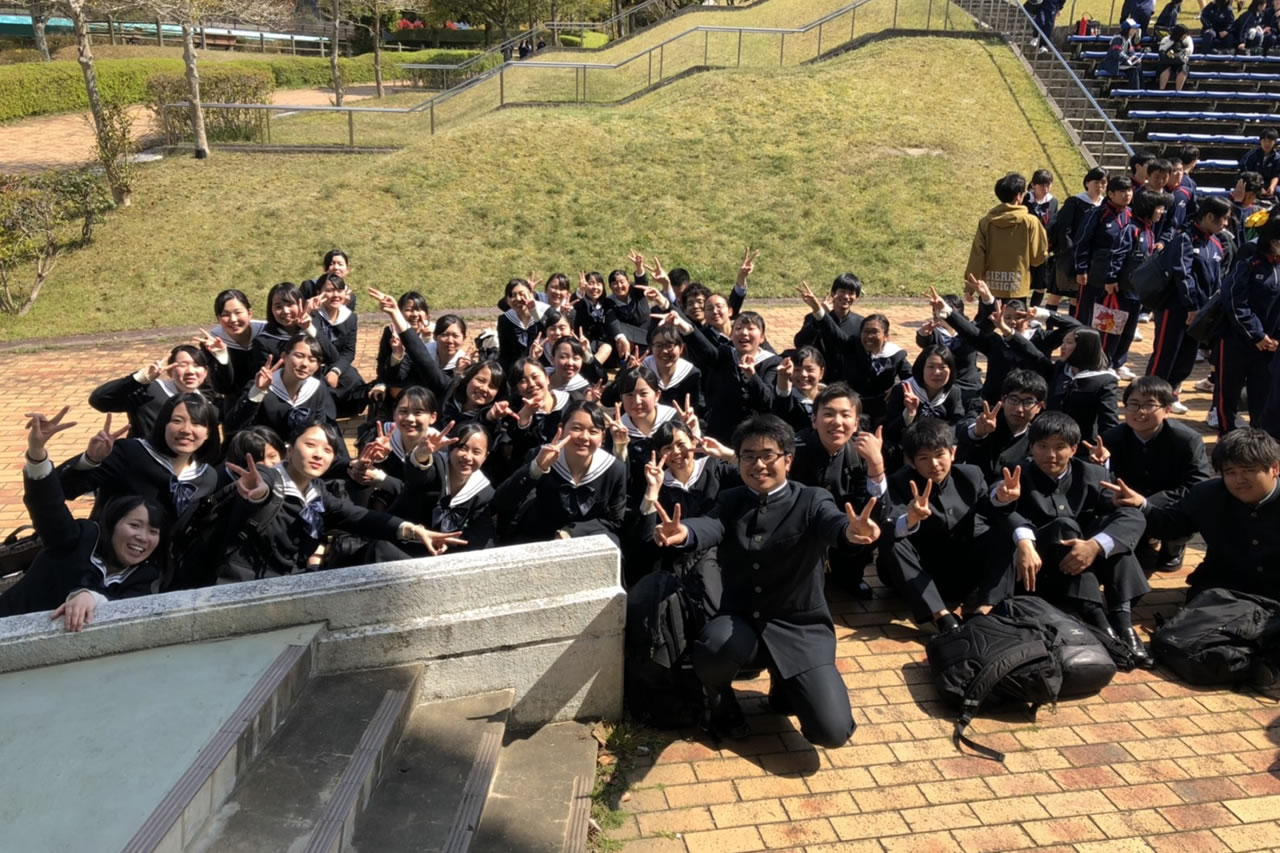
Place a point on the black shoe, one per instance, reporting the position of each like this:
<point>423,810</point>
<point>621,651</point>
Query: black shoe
<point>1122,628</point>
<point>724,717</point>
<point>947,622</point>
<point>1093,614</point>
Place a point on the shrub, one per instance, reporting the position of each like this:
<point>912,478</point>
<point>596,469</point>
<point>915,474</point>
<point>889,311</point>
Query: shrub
<point>218,84</point>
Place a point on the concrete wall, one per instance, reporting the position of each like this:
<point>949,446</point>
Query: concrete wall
<point>544,619</point>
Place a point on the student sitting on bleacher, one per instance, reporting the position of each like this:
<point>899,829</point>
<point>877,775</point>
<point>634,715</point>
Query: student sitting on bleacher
<point>1124,56</point>
<point>1168,17</point>
<point>1218,21</point>
<point>1247,33</point>
<point>1174,57</point>
<point>1265,160</point>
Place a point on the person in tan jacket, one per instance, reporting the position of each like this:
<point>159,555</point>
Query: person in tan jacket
<point>1008,243</point>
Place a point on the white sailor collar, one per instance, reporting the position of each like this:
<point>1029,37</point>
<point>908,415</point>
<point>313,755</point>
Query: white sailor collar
<point>923,394</point>
<point>601,461</point>
<point>255,329</point>
<point>475,484</point>
<point>661,416</point>
<point>306,391</point>
<point>191,472</point>
<point>291,488</point>
<point>699,466</point>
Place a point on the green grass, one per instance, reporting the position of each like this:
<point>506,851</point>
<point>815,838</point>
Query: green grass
<point>868,162</point>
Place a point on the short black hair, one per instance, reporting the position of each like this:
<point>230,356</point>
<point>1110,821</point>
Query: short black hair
<point>693,291</point>
<point>847,281</point>
<point>1140,158</point>
<point>1212,206</point>
<point>1159,165</point>
<point>313,347</point>
<point>415,300</point>
<point>335,253</point>
<point>1269,133</point>
<point>948,358</point>
<point>424,397</point>
<point>201,412</point>
<point>927,434</point>
<point>678,277</point>
<point>1119,183</point>
<point>1253,182</point>
<point>1097,173</point>
<point>1151,386</point>
<point>593,409</point>
<point>221,300</point>
<point>835,391</point>
<point>812,354</point>
<point>1054,425</point>
<point>665,434</point>
<point>1189,154</point>
<point>1010,187</point>
<point>752,318</point>
<point>1024,381</point>
<point>1249,447</point>
<point>1145,203</point>
<point>876,318</point>
<point>330,430</point>
<point>1041,177</point>
<point>444,321</point>
<point>766,427</point>
<point>254,441</point>
<point>627,380</point>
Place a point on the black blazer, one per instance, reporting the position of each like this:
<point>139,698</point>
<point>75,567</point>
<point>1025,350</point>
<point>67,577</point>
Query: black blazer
<point>142,402</point>
<point>961,509</point>
<point>949,409</point>
<point>132,468</point>
<point>995,452</point>
<point>731,395</point>
<point>1241,541</point>
<point>553,502</point>
<point>843,474</point>
<point>1163,469</point>
<point>832,346</point>
<point>281,415</point>
<point>1089,398</point>
<point>1077,495</point>
<point>424,501</point>
<point>968,378</point>
<point>771,553</point>
<point>270,342</point>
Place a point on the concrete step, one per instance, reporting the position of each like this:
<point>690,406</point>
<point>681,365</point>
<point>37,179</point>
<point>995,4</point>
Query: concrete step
<point>435,785</point>
<point>541,797</point>
<point>303,790</point>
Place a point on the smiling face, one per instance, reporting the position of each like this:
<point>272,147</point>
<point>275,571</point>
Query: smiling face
<point>593,289</point>
<point>187,374</point>
<point>842,300</point>
<point>234,318</point>
<point>1052,455</point>
<point>1144,414</point>
<point>836,422</point>
<point>873,337</point>
<point>1249,483</point>
<point>412,419</point>
<point>567,362</point>
<point>585,437</point>
<point>667,353</point>
<point>449,341</point>
<point>333,297</point>
<point>696,308</point>
<point>134,537</point>
<point>747,337</point>
<point>311,455</point>
<point>717,311</point>
<point>286,312</point>
<point>620,286</point>
<point>558,294</point>
<point>481,390</point>
<point>339,266</point>
<point>934,465</point>
<point>300,363</point>
<point>533,383</point>
<point>936,374</point>
<point>521,299</point>
<point>183,435</point>
<point>557,330</point>
<point>807,376</point>
<point>762,464</point>
<point>417,317</point>
<point>641,402</point>
<point>679,452</point>
<point>466,457</point>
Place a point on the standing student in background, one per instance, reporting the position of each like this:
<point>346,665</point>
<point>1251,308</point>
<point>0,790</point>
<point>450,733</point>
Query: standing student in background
<point>1043,205</point>
<point>1065,232</point>
<point>1008,243</point>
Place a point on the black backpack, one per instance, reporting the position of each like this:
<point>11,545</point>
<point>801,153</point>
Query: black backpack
<point>995,657</point>
<point>1089,659</point>
<point>659,683</point>
<point>1214,639</point>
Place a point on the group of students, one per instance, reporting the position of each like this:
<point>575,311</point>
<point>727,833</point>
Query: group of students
<point>643,406</point>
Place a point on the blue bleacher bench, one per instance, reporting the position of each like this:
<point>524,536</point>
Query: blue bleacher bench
<point>1201,115</point>
<point>1100,39</point>
<point>1224,76</point>
<point>1196,95</point>
<point>1195,57</point>
<point>1204,138</point>
<point>1219,165</point>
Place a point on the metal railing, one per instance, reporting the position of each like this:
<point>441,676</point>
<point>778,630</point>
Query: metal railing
<point>1013,22</point>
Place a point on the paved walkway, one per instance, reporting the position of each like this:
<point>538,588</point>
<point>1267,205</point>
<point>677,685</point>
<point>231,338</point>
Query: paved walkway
<point>1150,764</point>
<point>65,141</point>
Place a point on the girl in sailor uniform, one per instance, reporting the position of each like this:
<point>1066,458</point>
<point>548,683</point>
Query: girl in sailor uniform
<point>570,487</point>
<point>378,474</point>
<point>392,359</point>
<point>144,392</point>
<point>592,319</point>
<point>642,415</point>
<point>473,397</point>
<point>678,378</point>
<point>520,324</point>
<point>286,393</point>
<point>281,516</point>
<point>423,364</point>
<point>291,315</point>
<point>343,328</point>
<point>568,371</point>
<point>930,392</point>
<point>230,343</point>
<point>1081,385</point>
<point>876,365</point>
<point>799,381</point>
<point>445,489</point>
<point>84,562</point>
<point>540,412</point>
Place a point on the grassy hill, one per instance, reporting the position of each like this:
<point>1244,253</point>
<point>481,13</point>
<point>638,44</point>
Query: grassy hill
<point>870,162</point>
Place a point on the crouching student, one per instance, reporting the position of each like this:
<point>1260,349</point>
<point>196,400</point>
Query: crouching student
<point>280,516</point>
<point>1071,544</point>
<point>83,563</point>
<point>770,536</point>
<point>848,463</point>
<point>937,532</point>
<point>1238,516</point>
<point>997,438</point>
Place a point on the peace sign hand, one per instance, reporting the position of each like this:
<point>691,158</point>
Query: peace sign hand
<point>40,429</point>
<point>433,441</point>
<point>670,532</point>
<point>910,400</point>
<point>595,392</point>
<point>1010,488</point>
<point>158,368</point>
<point>1123,495</point>
<point>653,474</point>
<point>386,302</point>
<point>267,373</point>
<point>617,429</point>
<point>1098,453</point>
<point>549,453</point>
<point>748,265</point>
<point>638,260</point>
<point>436,542</point>
<point>810,298</point>
<point>250,484</point>
<point>101,445</point>
<point>936,302</point>
<point>538,346</point>
<point>688,415</point>
<point>862,530</point>
<point>213,344</point>
<point>918,510</point>
<point>379,449</point>
<point>748,366</point>
<point>985,424</point>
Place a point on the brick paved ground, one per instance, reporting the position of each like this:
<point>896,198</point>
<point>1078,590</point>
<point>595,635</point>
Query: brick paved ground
<point>1149,764</point>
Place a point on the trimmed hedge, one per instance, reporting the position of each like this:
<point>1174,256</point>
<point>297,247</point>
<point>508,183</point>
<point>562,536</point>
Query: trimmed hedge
<point>218,85</point>
<point>41,88</point>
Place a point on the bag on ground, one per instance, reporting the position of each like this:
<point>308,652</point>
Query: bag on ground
<point>660,686</point>
<point>1214,638</point>
<point>1088,665</point>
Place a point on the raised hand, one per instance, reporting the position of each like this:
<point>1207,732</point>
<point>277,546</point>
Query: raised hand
<point>748,265</point>
<point>986,423</point>
<point>1081,555</point>
<point>40,429</point>
<point>1123,494</point>
<point>78,611</point>
<point>549,453</point>
<point>250,484</point>
<point>433,441</point>
<point>810,298</point>
<point>936,302</point>
<point>534,279</point>
<point>158,368</point>
<point>862,530</point>
<point>538,346</point>
<point>711,447</point>
<point>918,509</point>
<point>617,429</point>
<point>653,474</point>
<point>657,273</point>
<point>669,531</point>
<point>498,410</point>
<point>101,445</point>
<point>397,345</point>
<point>1098,453</point>
<point>870,446</point>
<point>386,302</point>
<point>927,328</point>
<point>998,322</point>
<point>1010,488</point>
<point>379,449</point>
<point>638,260</point>
<point>688,415</point>
<point>214,345</point>
<point>595,392</point>
<point>748,366</point>
<point>267,373</point>
<point>910,400</point>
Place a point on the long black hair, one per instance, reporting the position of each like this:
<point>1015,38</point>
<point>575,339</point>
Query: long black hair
<point>201,412</point>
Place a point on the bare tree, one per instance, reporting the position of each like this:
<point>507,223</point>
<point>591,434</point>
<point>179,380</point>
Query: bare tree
<point>39,18</point>
<point>371,16</point>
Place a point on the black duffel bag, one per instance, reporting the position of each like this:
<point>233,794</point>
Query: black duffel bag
<point>1088,662</point>
<point>1214,639</point>
<point>1152,283</point>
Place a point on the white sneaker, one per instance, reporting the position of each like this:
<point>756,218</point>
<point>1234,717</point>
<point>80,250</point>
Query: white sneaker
<point>1178,408</point>
<point>1137,335</point>
<point>1144,317</point>
<point>1125,373</point>
<point>1212,419</point>
<point>1204,385</point>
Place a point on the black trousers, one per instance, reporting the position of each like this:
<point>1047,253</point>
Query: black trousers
<point>817,696</point>
<point>1173,352</point>
<point>848,562</point>
<point>1240,365</point>
<point>928,575</point>
<point>1110,581</point>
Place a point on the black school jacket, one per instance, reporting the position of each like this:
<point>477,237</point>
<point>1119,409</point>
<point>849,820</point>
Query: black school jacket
<point>554,502</point>
<point>842,474</point>
<point>141,401</point>
<point>422,367</point>
<point>695,498</point>
<point>947,406</point>
<point>968,378</point>
<point>1089,397</point>
<point>230,378</point>
<point>731,395</point>
<point>134,467</point>
<point>832,347</point>
<point>269,344</point>
<point>69,559</point>
<point>261,547</point>
<point>770,549</point>
<point>1167,466</point>
<point>282,413</point>
<point>426,500</point>
<point>1006,354</point>
<point>993,453</point>
<point>961,507</point>
<point>1078,494</point>
<point>1242,541</point>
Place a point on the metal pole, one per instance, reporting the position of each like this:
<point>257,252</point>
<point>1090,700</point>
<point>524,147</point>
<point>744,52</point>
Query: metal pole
<point>819,53</point>
<point>502,85</point>
<point>111,29</point>
<point>159,34</point>
<point>203,43</point>
<point>782,48</point>
<point>662,51</point>
<point>584,84</point>
<point>706,39</point>
<point>433,118</point>
<point>650,83</point>
<point>739,47</point>
<point>293,45</point>
<point>262,42</point>
<point>853,22</point>
<point>351,128</point>
<point>895,14</point>
<point>928,19</point>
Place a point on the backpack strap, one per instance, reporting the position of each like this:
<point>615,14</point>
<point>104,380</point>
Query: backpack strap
<point>991,674</point>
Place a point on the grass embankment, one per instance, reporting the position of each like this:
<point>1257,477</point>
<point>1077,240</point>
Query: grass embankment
<point>872,162</point>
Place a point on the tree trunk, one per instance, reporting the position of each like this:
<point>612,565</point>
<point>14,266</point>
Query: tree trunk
<point>85,58</point>
<point>193,90</point>
<point>333,55</point>
<point>377,56</point>
<point>39,17</point>
<point>554,15</point>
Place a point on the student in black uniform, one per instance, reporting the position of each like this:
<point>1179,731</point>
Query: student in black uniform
<point>287,393</point>
<point>144,392</point>
<point>230,343</point>
<point>535,412</point>
<point>642,414</point>
<point>473,397</point>
<point>770,536</point>
<point>1043,205</point>
<point>570,487</point>
<point>520,324</point>
<point>739,375</point>
<point>997,438</point>
<point>1148,212</point>
<point>280,517</point>
<point>877,364</point>
<point>393,360</point>
<point>379,472</point>
<point>937,526</point>
<point>1062,239</point>
<point>421,367</point>
<point>1071,544</point>
<point>1247,346</point>
<point>930,392</point>
<point>343,327</point>
<point>291,314</point>
<point>797,385</point>
<point>845,291</point>
<point>834,454</point>
<point>630,307</point>
<point>678,377</point>
<point>1081,386</point>
<point>83,563</point>
<point>1157,456</point>
<point>592,319</point>
<point>938,331</point>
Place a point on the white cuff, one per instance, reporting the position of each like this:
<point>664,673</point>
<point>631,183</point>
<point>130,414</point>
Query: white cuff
<point>944,312</point>
<point>38,470</point>
<point>377,475</point>
<point>140,376</point>
<point>256,394</point>
<point>1108,544</point>
<point>1024,534</point>
<point>648,507</point>
<point>535,473</point>
<point>900,529</point>
<point>877,488</point>
<point>1042,313</point>
<point>222,356</point>
<point>84,463</point>
<point>996,502</point>
<point>396,359</point>
<point>819,313</point>
<point>98,597</point>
